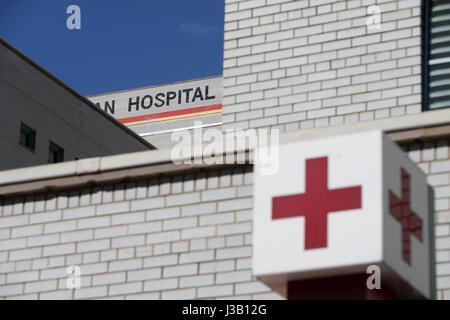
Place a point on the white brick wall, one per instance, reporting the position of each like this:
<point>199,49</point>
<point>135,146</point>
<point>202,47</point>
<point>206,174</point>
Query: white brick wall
<point>186,237</point>
<point>284,58</point>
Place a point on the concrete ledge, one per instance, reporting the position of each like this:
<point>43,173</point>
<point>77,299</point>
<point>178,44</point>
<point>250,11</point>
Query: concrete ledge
<point>48,171</point>
<point>429,119</point>
<point>134,159</point>
<point>80,181</point>
<point>422,134</point>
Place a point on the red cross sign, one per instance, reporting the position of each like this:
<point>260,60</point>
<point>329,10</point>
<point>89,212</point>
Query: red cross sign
<point>400,209</point>
<point>316,203</point>
<point>339,203</point>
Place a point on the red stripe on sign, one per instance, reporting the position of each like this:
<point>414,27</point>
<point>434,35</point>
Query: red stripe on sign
<point>171,113</point>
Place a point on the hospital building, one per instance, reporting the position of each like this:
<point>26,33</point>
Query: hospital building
<point>353,202</point>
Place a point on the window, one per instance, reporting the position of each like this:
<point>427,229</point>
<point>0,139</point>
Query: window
<point>437,54</point>
<point>27,137</point>
<point>55,153</point>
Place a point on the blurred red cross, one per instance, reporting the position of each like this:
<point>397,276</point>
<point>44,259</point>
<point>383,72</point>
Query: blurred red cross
<point>411,223</point>
<point>316,203</point>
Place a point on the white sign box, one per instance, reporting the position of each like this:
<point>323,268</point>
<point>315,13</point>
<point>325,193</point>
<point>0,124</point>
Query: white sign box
<point>339,204</point>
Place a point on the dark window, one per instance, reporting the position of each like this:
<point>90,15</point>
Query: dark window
<point>27,137</point>
<point>437,54</point>
<point>55,153</point>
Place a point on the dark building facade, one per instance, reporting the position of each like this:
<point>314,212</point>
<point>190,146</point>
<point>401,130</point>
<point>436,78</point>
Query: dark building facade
<point>43,120</point>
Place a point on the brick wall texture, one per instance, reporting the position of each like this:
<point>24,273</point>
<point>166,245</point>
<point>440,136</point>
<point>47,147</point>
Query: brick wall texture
<point>186,237</point>
<point>311,63</point>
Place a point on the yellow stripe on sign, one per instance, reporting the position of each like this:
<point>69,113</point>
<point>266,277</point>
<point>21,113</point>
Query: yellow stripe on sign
<point>175,118</point>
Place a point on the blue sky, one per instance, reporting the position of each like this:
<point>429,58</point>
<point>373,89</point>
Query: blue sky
<point>122,44</point>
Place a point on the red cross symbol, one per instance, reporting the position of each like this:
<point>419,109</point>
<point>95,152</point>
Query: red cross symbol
<point>316,203</point>
<point>411,223</point>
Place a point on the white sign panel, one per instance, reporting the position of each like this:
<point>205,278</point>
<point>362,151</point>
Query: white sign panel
<point>173,101</point>
<point>406,222</point>
<point>325,213</point>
